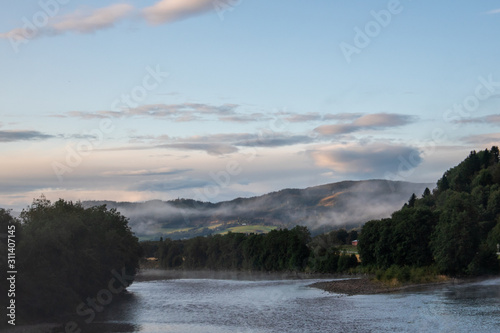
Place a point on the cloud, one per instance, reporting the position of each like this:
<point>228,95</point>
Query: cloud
<point>342,116</point>
<point>217,144</point>
<point>483,139</point>
<point>274,140</point>
<point>262,139</point>
<point>383,120</point>
<point>375,159</point>
<point>494,11</point>
<point>165,11</point>
<point>82,21</point>
<point>85,21</point>
<point>300,118</point>
<point>376,121</point>
<point>314,116</point>
<point>175,112</point>
<point>168,185</point>
<point>489,119</point>
<point>209,148</point>
<point>187,112</point>
<point>146,172</point>
<point>11,136</point>
<point>245,118</point>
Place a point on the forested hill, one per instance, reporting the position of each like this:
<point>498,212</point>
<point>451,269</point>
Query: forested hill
<point>455,228</point>
<point>344,204</point>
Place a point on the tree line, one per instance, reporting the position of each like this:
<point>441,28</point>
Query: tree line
<point>65,254</point>
<point>277,251</point>
<point>455,228</point>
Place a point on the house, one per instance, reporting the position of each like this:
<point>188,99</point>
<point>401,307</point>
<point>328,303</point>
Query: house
<point>355,242</point>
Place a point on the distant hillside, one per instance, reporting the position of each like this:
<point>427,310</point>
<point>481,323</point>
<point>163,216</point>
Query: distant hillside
<point>344,204</point>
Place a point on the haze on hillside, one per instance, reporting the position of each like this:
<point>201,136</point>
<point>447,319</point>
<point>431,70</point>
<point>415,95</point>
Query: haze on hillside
<point>345,204</point>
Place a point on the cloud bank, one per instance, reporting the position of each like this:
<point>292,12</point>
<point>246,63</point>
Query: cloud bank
<point>375,159</point>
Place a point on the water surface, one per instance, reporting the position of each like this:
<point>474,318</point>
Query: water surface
<point>219,306</point>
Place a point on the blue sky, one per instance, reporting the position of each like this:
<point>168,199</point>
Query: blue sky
<point>215,99</point>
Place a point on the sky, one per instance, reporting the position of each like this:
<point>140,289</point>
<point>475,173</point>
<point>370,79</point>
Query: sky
<point>218,99</point>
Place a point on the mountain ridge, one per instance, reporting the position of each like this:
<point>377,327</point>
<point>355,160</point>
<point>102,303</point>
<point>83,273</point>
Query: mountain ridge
<point>341,204</point>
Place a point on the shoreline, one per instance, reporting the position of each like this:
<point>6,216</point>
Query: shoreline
<point>161,274</point>
<point>366,286</point>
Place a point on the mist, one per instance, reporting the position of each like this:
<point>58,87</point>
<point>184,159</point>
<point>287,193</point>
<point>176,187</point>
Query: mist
<point>345,204</point>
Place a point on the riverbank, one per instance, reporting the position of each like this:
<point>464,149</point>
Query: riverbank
<point>161,274</point>
<point>368,286</point>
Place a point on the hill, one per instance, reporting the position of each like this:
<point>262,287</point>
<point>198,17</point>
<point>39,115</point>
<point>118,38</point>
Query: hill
<point>320,208</point>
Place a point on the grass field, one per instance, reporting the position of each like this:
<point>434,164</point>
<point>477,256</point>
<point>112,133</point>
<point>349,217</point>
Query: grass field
<point>171,230</point>
<point>192,231</point>
<point>256,229</point>
<point>349,248</point>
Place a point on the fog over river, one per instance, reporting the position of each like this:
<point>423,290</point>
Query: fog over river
<point>219,306</point>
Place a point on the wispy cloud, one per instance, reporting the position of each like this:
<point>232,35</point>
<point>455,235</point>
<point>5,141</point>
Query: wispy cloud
<point>300,118</point>
<point>494,11</point>
<point>245,118</point>
<point>315,116</point>
<point>217,144</point>
<point>165,11</point>
<point>146,172</point>
<point>229,112</point>
<point>489,119</point>
<point>85,20</point>
<point>166,185</point>
<point>483,139</point>
<point>209,148</point>
<point>82,21</point>
<point>376,121</point>
<point>19,135</point>
<point>175,112</point>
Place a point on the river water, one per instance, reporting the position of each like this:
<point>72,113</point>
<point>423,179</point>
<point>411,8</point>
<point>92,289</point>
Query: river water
<point>219,306</point>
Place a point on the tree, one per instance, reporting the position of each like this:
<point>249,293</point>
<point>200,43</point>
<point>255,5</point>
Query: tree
<point>368,240</point>
<point>411,202</point>
<point>68,253</point>
<point>495,153</point>
<point>455,240</point>
<point>412,231</point>
<point>443,183</point>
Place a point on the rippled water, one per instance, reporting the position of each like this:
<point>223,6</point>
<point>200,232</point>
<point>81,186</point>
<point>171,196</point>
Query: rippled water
<point>218,306</point>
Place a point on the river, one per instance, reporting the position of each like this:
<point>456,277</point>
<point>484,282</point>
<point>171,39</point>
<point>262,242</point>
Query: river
<point>219,306</point>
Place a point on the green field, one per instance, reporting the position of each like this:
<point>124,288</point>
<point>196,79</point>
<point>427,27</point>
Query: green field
<point>349,249</point>
<point>256,229</point>
<point>191,231</point>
